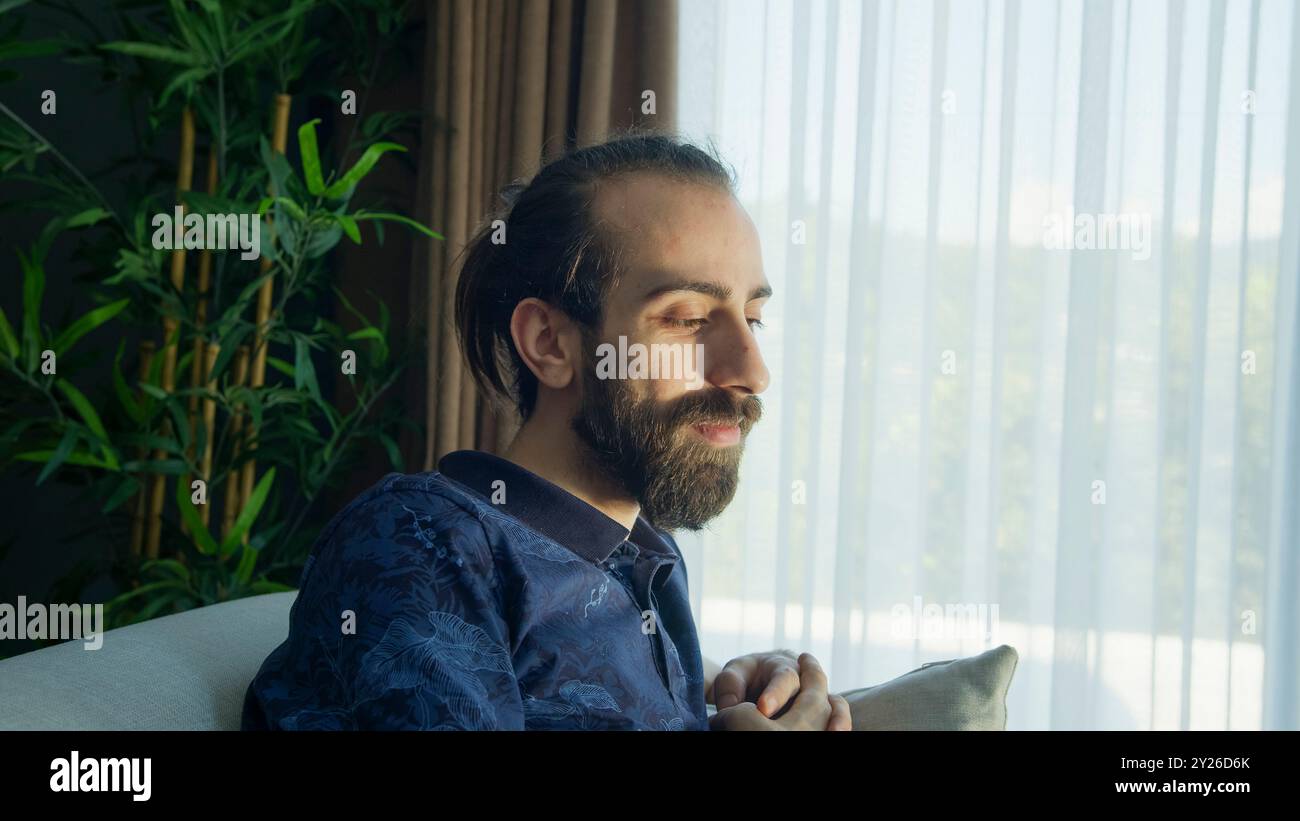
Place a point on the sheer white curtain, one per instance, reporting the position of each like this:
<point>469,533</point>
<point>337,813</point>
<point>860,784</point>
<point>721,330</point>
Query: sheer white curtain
<point>989,423</point>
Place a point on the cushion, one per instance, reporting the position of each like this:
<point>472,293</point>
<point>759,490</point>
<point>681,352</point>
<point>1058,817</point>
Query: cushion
<point>186,671</point>
<point>957,694</point>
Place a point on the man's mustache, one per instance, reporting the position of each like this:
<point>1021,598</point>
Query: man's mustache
<point>715,407</point>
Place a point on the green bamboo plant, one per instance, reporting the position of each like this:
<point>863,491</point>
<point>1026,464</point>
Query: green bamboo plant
<point>96,417</point>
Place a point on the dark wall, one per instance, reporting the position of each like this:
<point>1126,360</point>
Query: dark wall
<point>44,528</point>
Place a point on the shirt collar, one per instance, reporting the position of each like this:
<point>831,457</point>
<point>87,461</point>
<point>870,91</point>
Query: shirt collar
<point>548,508</point>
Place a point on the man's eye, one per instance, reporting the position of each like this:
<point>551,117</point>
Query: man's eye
<point>685,323</point>
<point>755,322</point>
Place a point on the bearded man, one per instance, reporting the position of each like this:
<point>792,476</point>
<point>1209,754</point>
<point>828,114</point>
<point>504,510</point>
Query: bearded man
<point>542,589</point>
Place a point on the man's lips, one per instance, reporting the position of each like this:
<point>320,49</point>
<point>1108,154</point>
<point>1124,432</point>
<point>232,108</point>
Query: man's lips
<point>719,434</point>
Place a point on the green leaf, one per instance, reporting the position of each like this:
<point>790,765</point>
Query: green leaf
<point>382,123</point>
<point>167,467</point>
<point>202,538</point>
<point>280,365</point>
<point>371,332</point>
<point>268,586</point>
<point>186,79</point>
<point>247,561</point>
<point>310,157</point>
<point>383,314</point>
<point>199,202</point>
<point>128,487</point>
<point>86,324</point>
<point>16,49</point>
<point>284,396</point>
<point>394,453</point>
<point>118,601</point>
<point>369,215</point>
<point>367,333</point>
<point>294,209</point>
<point>61,453</point>
<point>229,347</point>
<point>277,167</point>
<point>87,411</point>
<point>194,31</point>
<point>7,336</point>
<point>358,172</point>
<point>123,392</point>
<point>153,51</point>
<point>362,318</point>
<point>15,431</point>
<point>48,234</point>
<point>150,384</point>
<point>177,569</point>
<point>255,404</point>
<point>349,227</point>
<point>180,420</point>
<point>248,514</point>
<point>90,216</point>
<point>304,372</point>
<point>322,241</point>
<point>251,38</point>
<point>84,459</point>
<point>154,391</point>
<point>33,292</point>
<point>151,609</point>
<point>153,441</point>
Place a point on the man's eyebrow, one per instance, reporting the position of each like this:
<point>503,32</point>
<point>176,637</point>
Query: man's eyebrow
<point>714,289</point>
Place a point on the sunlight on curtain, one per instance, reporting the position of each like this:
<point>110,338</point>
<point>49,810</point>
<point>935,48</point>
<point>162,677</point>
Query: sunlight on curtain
<point>987,423</point>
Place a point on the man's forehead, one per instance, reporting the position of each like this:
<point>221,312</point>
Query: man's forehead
<point>640,198</point>
<point>663,224</point>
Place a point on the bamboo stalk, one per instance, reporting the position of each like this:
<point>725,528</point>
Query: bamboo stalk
<point>147,348</point>
<point>198,365</point>
<point>257,378</point>
<point>236,425</point>
<point>211,351</point>
<point>184,179</point>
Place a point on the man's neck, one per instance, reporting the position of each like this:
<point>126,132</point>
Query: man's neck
<point>550,451</point>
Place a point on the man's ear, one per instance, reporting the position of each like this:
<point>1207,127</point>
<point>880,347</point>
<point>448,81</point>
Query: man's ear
<point>548,342</point>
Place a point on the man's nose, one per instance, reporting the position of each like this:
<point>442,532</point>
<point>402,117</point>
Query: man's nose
<point>732,359</point>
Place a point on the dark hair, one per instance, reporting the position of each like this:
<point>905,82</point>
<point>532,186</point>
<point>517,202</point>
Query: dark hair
<point>554,252</point>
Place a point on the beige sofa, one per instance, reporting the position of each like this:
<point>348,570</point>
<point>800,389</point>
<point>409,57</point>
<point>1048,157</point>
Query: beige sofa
<point>189,671</point>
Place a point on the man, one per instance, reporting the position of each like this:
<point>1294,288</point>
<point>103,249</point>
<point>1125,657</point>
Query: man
<point>541,589</point>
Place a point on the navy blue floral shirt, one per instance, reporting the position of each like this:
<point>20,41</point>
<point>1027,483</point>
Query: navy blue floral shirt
<point>481,596</point>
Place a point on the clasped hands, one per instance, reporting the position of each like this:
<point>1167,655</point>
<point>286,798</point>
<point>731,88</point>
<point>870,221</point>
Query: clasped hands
<point>775,690</point>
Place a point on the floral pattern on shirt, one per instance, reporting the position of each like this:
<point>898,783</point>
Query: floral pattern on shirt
<point>423,607</point>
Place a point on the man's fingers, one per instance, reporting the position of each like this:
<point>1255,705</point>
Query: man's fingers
<point>731,686</point>
<point>812,707</point>
<point>782,684</point>
<point>811,674</point>
<point>841,718</point>
<point>774,682</point>
<point>728,689</point>
<point>743,716</point>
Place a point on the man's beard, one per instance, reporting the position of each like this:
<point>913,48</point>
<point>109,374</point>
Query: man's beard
<point>648,448</point>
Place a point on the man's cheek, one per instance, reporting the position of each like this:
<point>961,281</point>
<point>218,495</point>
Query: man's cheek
<point>693,376</point>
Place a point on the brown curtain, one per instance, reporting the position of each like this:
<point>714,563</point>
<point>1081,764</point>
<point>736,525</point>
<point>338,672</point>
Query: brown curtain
<point>508,84</point>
